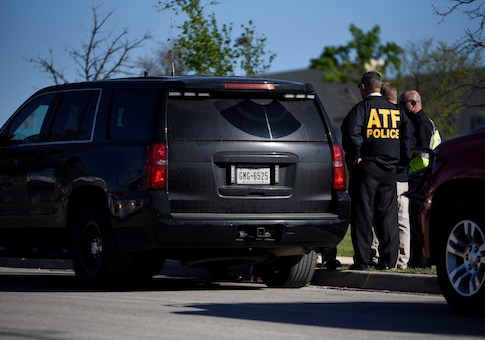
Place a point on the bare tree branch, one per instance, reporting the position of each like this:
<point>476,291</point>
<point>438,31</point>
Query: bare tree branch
<point>101,57</point>
<point>470,92</point>
<point>473,39</point>
<point>47,65</point>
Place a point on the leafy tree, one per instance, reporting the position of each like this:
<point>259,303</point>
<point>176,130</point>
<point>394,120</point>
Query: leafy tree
<point>251,52</point>
<point>365,52</point>
<point>204,48</point>
<point>440,76</point>
<point>102,56</point>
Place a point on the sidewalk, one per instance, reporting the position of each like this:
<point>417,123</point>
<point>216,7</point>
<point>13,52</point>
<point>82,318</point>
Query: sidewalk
<point>370,280</point>
<point>376,280</point>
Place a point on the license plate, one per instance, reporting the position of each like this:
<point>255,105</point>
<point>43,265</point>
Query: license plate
<point>252,175</point>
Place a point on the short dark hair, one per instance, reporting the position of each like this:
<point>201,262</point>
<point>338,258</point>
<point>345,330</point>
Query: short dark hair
<point>371,80</point>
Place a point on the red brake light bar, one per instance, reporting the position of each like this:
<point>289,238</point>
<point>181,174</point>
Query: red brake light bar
<point>249,86</point>
<point>338,167</point>
<point>156,166</point>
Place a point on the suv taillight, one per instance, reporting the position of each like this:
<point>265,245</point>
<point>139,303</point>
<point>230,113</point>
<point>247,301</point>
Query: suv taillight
<point>338,168</point>
<point>156,166</point>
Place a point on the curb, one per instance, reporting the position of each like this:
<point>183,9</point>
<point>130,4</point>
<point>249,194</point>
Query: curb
<point>375,280</point>
<point>372,280</point>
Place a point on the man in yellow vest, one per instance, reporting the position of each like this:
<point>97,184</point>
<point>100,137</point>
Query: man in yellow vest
<point>426,136</point>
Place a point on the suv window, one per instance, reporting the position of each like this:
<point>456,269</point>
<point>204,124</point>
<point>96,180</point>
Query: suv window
<point>27,124</point>
<point>74,116</point>
<point>133,112</point>
<point>245,119</point>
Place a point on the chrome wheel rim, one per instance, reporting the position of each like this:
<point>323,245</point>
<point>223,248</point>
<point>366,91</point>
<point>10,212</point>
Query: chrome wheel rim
<point>465,258</point>
<point>92,247</point>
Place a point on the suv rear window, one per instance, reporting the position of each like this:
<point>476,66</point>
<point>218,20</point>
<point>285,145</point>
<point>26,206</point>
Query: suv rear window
<point>133,113</point>
<point>244,119</point>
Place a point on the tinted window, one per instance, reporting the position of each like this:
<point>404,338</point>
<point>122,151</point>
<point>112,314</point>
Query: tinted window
<point>133,113</point>
<point>74,116</point>
<point>268,120</point>
<point>27,124</point>
<point>245,119</point>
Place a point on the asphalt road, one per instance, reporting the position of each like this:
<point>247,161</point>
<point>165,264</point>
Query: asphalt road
<point>49,304</point>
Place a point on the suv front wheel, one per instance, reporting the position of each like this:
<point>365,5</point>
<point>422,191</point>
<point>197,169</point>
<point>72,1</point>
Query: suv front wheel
<point>97,259</point>
<point>461,257</point>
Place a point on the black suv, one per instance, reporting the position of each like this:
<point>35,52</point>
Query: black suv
<point>120,175</point>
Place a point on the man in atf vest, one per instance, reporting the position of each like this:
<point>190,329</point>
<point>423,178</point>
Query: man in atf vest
<point>376,137</point>
<point>427,136</point>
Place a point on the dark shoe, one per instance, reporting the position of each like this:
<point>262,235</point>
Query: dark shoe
<point>357,267</point>
<point>333,264</point>
<point>416,263</point>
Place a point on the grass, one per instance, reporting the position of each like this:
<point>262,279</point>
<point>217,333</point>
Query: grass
<point>346,249</point>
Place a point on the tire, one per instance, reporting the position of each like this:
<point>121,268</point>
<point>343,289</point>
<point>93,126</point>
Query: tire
<point>287,271</point>
<point>461,258</point>
<point>145,266</point>
<point>97,260</point>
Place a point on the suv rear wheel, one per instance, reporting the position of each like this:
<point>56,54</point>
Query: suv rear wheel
<point>461,257</point>
<point>146,265</point>
<point>97,259</point>
<point>287,271</point>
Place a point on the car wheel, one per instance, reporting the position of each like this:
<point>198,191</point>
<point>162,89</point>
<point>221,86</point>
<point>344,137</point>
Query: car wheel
<point>461,258</point>
<point>287,271</point>
<point>146,265</point>
<point>97,260</point>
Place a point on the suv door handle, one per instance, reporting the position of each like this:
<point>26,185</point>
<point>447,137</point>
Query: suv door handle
<point>71,159</point>
<point>21,162</point>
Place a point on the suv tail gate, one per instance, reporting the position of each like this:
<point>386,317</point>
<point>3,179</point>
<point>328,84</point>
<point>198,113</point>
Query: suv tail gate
<point>247,152</point>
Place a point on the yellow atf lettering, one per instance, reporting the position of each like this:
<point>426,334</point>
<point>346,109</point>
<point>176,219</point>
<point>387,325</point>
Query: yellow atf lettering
<point>383,133</point>
<point>378,125</point>
<point>385,117</point>
<point>395,117</point>
<point>374,120</point>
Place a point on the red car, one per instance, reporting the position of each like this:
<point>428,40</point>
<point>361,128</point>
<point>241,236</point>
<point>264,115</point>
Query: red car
<point>453,220</point>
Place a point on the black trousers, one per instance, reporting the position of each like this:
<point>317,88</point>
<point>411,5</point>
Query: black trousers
<point>416,259</point>
<point>374,202</point>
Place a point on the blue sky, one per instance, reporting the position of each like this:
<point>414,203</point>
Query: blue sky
<point>297,31</point>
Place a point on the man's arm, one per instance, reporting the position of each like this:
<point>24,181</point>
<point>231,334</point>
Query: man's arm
<point>352,138</point>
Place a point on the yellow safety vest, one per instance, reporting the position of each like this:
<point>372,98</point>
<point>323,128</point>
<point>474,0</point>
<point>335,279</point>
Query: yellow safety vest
<point>421,160</point>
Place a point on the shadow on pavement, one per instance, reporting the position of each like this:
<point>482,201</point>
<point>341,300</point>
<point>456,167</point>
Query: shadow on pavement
<point>426,318</point>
